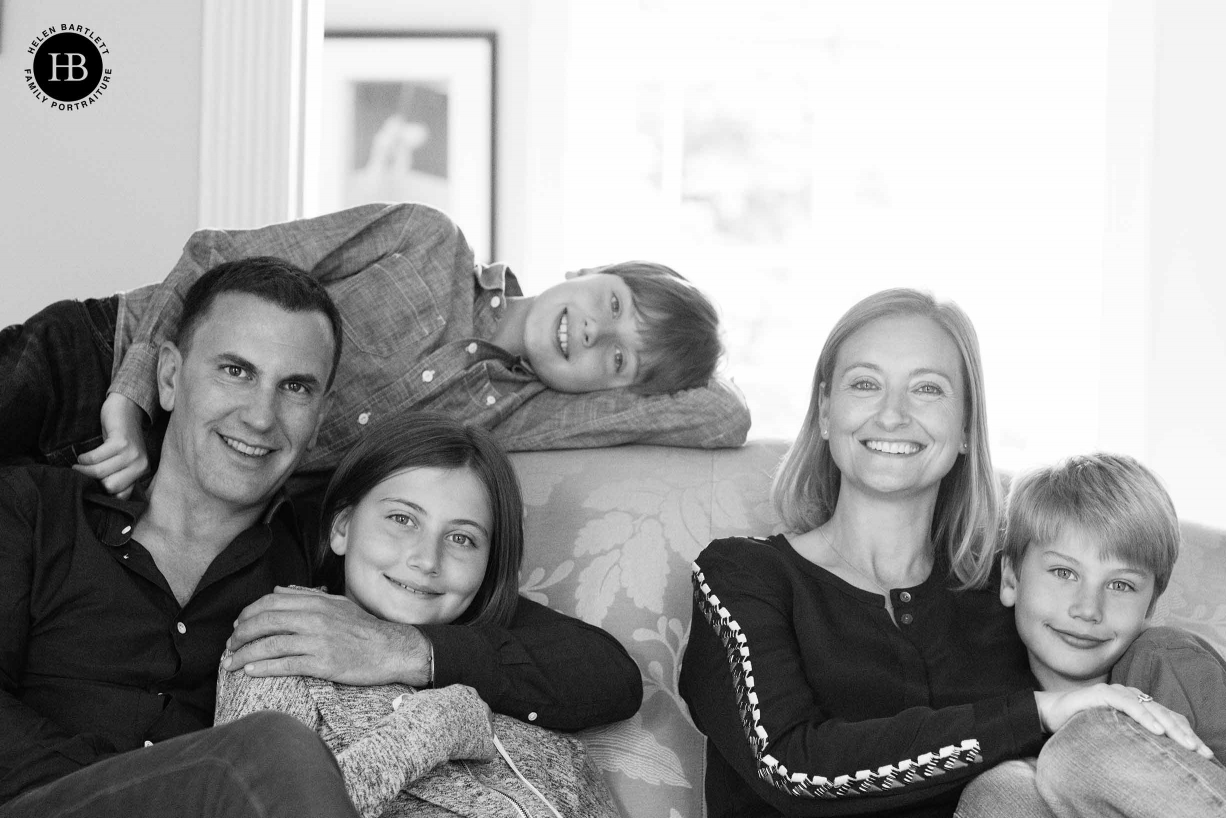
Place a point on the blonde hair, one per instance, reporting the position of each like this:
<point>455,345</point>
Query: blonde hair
<point>806,486</point>
<point>1111,497</point>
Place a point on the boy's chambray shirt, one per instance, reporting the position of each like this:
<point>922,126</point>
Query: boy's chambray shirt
<point>418,313</point>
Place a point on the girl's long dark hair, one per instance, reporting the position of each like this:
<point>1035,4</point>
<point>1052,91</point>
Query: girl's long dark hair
<point>416,440</point>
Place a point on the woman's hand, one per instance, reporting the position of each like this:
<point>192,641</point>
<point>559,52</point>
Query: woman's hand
<point>1056,708</point>
<point>121,460</point>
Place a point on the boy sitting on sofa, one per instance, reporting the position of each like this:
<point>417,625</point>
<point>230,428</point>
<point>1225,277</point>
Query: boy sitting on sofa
<point>618,354</point>
<point>1089,547</point>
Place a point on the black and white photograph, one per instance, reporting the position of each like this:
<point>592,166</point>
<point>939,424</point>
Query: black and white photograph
<point>612,408</point>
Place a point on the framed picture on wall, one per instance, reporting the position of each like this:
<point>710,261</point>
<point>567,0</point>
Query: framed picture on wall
<point>409,117</point>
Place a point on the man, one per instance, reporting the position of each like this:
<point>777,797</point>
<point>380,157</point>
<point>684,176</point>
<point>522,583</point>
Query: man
<point>113,613</point>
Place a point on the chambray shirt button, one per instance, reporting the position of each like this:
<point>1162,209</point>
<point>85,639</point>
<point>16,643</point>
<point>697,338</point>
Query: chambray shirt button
<point>489,400</point>
<point>126,529</point>
<point>495,301</point>
<point>364,418</point>
<point>472,348</point>
<point>906,619</point>
<point>180,627</point>
<point>905,596</point>
<point>148,743</point>
<point>532,716</point>
<point>428,375</point>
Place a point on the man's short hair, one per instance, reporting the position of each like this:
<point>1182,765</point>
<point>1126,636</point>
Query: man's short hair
<point>270,279</point>
<point>679,327</point>
<point>1110,497</point>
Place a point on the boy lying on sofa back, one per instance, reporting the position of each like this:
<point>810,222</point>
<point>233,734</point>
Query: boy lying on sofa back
<point>617,354</point>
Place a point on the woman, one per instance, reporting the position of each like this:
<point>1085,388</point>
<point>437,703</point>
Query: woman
<point>865,663</point>
<point>427,518</point>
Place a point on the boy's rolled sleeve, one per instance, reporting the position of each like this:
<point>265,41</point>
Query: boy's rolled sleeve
<point>711,417</point>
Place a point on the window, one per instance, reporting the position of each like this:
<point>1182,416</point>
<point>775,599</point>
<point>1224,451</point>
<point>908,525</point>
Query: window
<point>793,157</point>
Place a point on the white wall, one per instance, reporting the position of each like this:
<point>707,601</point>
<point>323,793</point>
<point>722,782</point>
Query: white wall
<point>99,199</point>
<point>1187,399</point>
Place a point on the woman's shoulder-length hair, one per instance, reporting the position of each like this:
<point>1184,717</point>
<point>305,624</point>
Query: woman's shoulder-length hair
<point>966,520</point>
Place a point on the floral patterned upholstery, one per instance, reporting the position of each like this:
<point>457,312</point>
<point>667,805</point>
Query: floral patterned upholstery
<point>611,534</point>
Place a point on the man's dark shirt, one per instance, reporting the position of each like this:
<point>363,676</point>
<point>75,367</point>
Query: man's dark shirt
<point>96,655</point>
<point>93,661</point>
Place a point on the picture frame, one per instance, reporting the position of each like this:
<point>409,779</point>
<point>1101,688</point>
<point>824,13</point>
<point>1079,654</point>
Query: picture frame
<point>409,117</point>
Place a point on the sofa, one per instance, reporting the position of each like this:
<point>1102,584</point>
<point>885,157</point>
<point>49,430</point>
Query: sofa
<point>611,534</point>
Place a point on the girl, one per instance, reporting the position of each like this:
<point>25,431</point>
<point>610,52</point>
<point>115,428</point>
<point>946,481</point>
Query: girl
<point>425,518</point>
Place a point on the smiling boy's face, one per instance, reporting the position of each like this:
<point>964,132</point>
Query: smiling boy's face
<point>1077,609</point>
<point>582,335</point>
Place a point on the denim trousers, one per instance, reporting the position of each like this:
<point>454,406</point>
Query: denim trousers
<point>54,372</point>
<point>1101,763</point>
<point>266,765</point>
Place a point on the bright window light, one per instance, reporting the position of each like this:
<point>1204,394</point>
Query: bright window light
<point>791,158</point>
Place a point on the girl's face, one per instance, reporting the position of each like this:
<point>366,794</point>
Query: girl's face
<point>417,545</point>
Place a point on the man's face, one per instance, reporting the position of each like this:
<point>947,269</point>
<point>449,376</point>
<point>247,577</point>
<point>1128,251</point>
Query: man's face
<point>247,395</point>
<point>1077,610</point>
<point>582,335</point>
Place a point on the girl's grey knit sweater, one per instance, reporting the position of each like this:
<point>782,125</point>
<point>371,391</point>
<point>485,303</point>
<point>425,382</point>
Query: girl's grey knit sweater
<point>431,754</point>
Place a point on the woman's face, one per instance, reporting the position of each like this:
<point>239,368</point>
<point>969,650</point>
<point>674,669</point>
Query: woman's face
<point>417,545</point>
<point>894,406</point>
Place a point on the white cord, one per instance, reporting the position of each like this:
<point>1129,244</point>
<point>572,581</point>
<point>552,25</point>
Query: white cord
<point>503,752</point>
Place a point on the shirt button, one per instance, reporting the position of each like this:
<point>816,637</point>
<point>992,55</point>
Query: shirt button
<point>428,375</point>
<point>125,556</point>
<point>906,619</point>
<point>126,529</point>
<point>495,301</point>
<point>180,627</point>
<point>148,743</point>
<point>532,716</point>
<point>472,348</point>
<point>364,418</point>
<point>489,400</point>
<point>905,596</point>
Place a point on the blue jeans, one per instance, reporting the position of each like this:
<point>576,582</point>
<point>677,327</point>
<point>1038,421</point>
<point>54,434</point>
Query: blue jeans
<point>54,372</point>
<point>266,765</point>
<point>1101,763</point>
<point>1008,790</point>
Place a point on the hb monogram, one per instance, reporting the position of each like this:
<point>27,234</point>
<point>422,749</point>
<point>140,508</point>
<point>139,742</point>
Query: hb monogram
<point>70,64</point>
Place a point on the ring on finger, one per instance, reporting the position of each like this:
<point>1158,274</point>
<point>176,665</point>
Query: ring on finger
<point>1144,697</point>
